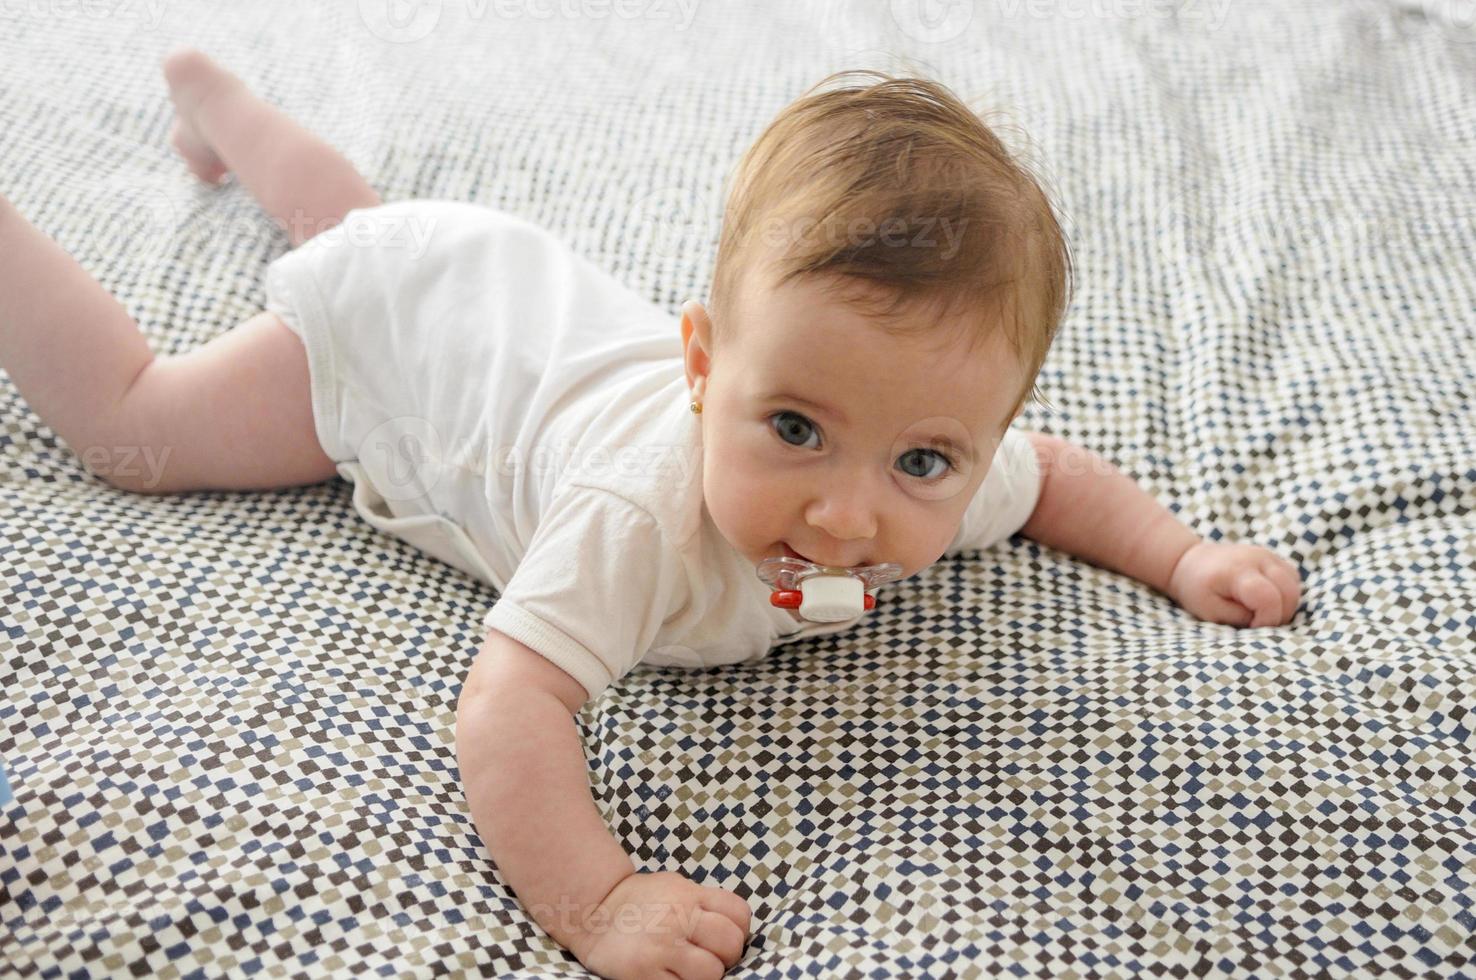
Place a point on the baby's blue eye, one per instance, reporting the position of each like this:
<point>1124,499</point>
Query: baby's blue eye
<point>793,423</point>
<point>925,455</point>
<point>800,424</point>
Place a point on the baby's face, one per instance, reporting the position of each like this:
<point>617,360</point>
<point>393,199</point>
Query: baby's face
<point>822,433</point>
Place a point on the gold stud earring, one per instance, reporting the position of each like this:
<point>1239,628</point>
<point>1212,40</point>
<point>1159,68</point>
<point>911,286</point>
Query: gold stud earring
<point>696,408</point>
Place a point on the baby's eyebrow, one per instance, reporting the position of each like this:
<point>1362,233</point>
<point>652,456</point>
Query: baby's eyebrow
<point>938,438</point>
<point>834,413</point>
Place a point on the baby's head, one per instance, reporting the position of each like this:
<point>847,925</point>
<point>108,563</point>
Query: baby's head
<point>887,285</point>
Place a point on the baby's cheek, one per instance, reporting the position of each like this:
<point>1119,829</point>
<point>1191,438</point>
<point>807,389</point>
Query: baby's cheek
<point>729,492</point>
<point>744,490</point>
<point>731,464</point>
<point>924,540</point>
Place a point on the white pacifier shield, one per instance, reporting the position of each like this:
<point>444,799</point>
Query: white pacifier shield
<point>832,598</point>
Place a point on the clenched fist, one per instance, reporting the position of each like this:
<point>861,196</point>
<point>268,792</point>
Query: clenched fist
<point>651,923</point>
<point>1236,584</point>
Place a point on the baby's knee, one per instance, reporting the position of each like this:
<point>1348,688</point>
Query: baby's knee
<point>128,464</point>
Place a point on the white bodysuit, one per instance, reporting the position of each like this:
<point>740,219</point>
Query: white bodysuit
<point>506,406</point>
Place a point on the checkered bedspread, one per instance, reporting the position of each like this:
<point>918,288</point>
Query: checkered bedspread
<point>228,718</point>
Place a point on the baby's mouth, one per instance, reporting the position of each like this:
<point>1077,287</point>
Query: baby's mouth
<point>791,553</point>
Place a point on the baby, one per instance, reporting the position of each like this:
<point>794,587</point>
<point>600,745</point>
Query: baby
<point>887,285</point>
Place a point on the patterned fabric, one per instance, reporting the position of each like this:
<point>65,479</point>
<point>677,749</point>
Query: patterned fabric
<point>228,717</point>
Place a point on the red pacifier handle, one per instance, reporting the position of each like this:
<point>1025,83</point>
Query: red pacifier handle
<point>791,599</point>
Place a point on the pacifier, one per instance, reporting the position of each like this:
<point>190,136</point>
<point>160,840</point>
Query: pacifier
<point>824,593</point>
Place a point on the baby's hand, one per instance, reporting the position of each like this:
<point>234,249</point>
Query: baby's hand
<point>654,922</point>
<point>1235,584</point>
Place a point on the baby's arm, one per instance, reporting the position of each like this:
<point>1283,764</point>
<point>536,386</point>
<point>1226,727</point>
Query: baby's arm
<point>527,785</point>
<point>524,773</point>
<point>1090,509</point>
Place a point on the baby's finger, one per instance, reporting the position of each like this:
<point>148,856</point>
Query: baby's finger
<point>1259,594</point>
<point>1217,610</point>
<point>720,900</point>
<point>693,962</point>
<point>1285,578</point>
<point>718,934</point>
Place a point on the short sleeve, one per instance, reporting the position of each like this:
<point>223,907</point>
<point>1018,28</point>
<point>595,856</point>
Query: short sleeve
<point>593,589</point>
<point>1005,500</point>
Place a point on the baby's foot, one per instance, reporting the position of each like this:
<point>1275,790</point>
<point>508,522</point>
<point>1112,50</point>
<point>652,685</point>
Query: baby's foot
<point>192,76</point>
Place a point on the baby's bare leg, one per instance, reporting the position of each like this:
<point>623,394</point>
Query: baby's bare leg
<point>234,413</point>
<point>68,345</point>
<point>305,185</point>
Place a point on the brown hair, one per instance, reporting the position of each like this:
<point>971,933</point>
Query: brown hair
<point>846,178</point>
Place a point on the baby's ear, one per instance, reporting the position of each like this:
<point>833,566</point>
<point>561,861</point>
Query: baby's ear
<point>695,327</point>
<point>696,323</point>
<point>697,313</point>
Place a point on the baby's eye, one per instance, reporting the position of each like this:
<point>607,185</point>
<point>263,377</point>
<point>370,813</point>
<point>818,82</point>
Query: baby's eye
<point>925,455</point>
<point>795,424</point>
